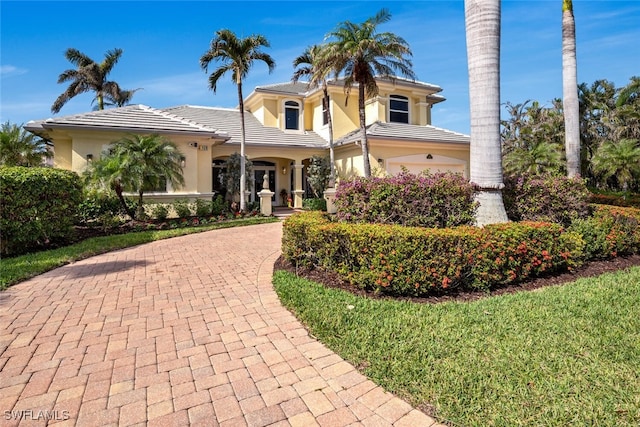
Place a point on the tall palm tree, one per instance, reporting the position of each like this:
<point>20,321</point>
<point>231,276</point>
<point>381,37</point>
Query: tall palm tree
<point>122,98</point>
<point>620,160</point>
<point>540,157</point>
<point>361,54</point>
<point>236,55</point>
<point>482,22</point>
<point>570,104</point>
<point>21,148</point>
<point>137,163</point>
<point>316,65</point>
<point>89,76</point>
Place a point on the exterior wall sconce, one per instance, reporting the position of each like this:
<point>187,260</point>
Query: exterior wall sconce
<point>183,161</point>
<point>429,157</point>
<point>89,158</point>
<point>284,170</point>
<point>380,162</point>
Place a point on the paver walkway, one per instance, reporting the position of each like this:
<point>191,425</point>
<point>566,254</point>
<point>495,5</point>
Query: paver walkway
<point>185,331</point>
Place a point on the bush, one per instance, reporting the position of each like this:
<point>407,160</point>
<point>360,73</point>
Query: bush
<point>219,206</point>
<point>203,207</point>
<point>616,199</point>
<point>318,174</point>
<point>314,204</point>
<point>160,211</point>
<point>546,198</point>
<point>438,200</point>
<point>610,232</point>
<point>97,206</point>
<point>38,207</point>
<point>182,207</point>
<point>415,261</point>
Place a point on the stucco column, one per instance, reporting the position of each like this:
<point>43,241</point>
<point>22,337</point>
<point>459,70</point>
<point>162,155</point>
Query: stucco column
<point>297,184</point>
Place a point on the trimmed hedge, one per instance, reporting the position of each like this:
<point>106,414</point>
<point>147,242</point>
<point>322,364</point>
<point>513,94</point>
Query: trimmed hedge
<point>440,200</point>
<point>417,261</point>
<point>546,198</point>
<point>611,231</point>
<point>38,208</point>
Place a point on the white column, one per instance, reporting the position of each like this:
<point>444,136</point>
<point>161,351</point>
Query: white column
<point>297,184</point>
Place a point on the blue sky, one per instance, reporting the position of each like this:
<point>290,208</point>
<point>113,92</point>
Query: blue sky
<point>163,41</point>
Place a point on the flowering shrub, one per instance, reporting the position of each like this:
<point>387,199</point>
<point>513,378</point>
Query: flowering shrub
<point>616,199</point>
<point>545,198</point>
<point>417,261</point>
<point>610,232</point>
<point>438,200</point>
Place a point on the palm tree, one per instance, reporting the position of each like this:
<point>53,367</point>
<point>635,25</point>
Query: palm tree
<point>236,55</point>
<point>21,148</point>
<point>539,158</point>
<point>361,53</point>
<point>137,163</point>
<point>630,93</point>
<point>626,117</point>
<point>620,160</point>
<point>316,66</point>
<point>570,104</point>
<point>122,98</point>
<point>89,76</point>
<point>482,22</point>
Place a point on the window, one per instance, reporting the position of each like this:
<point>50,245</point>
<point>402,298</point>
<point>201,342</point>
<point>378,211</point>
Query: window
<point>155,184</point>
<point>291,115</point>
<point>398,109</point>
<point>325,111</point>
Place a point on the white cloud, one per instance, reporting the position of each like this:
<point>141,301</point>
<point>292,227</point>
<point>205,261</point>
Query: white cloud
<point>10,70</point>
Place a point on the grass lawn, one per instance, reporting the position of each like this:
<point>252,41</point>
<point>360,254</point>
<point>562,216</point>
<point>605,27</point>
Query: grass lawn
<point>17,269</point>
<point>558,356</point>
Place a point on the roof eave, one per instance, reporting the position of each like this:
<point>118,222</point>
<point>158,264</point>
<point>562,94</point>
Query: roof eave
<point>212,135</point>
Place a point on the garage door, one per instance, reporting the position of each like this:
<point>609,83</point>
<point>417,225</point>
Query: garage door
<point>419,162</point>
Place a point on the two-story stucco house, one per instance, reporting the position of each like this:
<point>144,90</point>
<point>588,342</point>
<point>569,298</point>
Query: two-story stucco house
<point>286,124</point>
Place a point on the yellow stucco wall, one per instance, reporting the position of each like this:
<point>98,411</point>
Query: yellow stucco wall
<point>345,118</point>
<point>63,154</point>
<point>270,112</point>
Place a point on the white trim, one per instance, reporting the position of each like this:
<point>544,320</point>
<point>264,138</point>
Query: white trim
<point>396,97</point>
<point>300,114</point>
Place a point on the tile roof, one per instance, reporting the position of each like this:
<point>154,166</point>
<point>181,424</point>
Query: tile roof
<point>297,88</point>
<point>406,132</point>
<point>133,118</point>
<point>228,120</point>
<point>303,88</point>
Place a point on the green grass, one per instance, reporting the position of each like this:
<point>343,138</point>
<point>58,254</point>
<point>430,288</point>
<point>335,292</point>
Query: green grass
<point>559,356</point>
<point>17,269</point>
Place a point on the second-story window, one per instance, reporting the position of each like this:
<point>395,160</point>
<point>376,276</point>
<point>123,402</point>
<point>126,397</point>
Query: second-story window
<point>291,115</point>
<point>398,109</point>
<point>325,111</point>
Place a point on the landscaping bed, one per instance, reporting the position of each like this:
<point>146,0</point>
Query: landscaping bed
<point>331,279</point>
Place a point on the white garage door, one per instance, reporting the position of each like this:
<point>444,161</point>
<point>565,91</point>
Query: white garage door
<point>419,162</point>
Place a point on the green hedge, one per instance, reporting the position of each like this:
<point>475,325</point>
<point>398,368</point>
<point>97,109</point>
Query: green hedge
<point>38,207</point>
<point>547,198</point>
<point>417,261</point>
<point>442,199</point>
<point>611,231</point>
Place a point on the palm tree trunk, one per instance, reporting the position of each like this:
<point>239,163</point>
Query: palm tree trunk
<point>482,20</point>
<point>118,190</point>
<point>570,104</point>
<point>100,99</point>
<point>363,129</point>
<point>243,178</point>
<point>332,176</point>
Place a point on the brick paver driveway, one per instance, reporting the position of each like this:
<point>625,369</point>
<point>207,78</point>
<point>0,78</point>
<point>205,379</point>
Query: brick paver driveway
<point>179,332</point>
